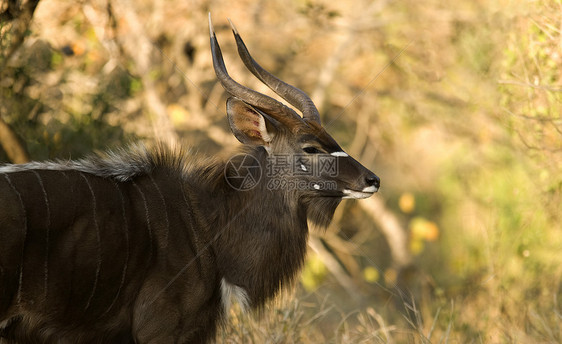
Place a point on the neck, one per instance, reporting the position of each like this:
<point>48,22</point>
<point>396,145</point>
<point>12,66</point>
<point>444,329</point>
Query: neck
<point>261,234</point>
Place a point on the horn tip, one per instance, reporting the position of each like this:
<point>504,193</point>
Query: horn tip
<point>211,30</point>
<point>233,27</point>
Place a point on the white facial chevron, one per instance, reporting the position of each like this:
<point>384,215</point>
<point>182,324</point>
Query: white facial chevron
<point>339,154</point>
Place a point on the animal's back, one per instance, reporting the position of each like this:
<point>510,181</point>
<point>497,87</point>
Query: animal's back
<point>74,250</point>
<point>68,253</point>
<point>89,257</point>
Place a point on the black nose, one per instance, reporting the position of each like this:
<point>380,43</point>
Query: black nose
<point>373,180</point>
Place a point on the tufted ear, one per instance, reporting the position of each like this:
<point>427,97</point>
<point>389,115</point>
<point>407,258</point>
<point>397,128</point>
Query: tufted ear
<point>248,124</point>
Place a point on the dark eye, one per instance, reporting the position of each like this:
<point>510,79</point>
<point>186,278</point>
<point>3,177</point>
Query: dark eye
<point>311,150</point>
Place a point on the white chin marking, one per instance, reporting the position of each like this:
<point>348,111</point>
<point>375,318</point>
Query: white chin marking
<point>371,188</point>
<point>340,154</point>
<point>365,193</point>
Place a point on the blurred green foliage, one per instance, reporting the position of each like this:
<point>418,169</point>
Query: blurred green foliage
<point>52,124</point>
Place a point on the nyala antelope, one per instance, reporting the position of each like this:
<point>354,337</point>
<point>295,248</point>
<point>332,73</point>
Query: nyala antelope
<point>151,245</point>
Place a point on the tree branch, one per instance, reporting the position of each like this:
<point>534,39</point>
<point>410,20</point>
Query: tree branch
<point>392,230</point>
<point>12,144</point>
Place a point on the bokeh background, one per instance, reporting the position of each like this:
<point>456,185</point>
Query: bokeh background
<point>455,105</point>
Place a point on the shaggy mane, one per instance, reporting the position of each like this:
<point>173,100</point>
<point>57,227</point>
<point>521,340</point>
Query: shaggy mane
<point>122,164</point>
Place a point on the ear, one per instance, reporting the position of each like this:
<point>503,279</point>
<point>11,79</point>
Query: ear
<point>248,124</point>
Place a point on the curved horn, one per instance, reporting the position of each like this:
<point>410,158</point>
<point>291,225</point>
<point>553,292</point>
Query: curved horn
<point>269,105</point>
<point>293,95</point>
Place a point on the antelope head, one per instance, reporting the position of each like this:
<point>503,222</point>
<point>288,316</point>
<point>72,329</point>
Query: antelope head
<point>301,142</point>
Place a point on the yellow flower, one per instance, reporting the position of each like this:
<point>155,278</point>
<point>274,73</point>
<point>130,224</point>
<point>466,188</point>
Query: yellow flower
<point>407,202</point>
